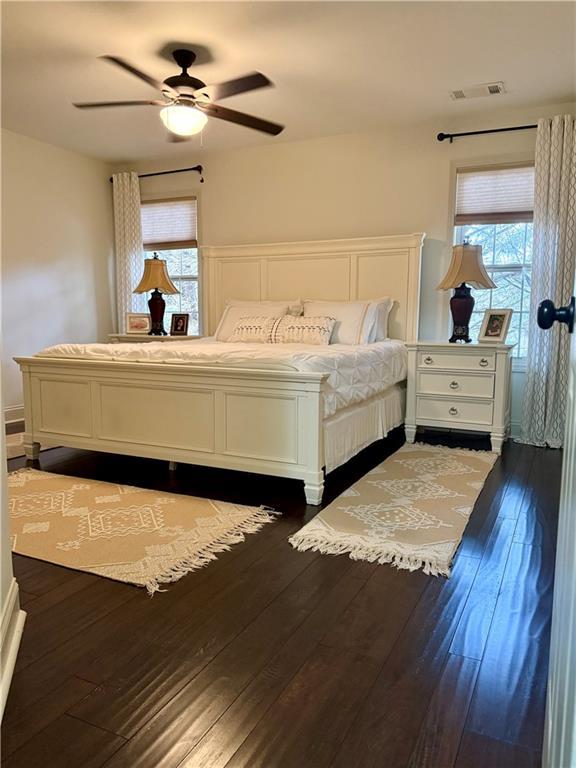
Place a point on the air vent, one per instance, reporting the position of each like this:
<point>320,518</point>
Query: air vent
<point>476,91</point>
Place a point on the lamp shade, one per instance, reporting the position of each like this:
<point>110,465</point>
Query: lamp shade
<point>466,267</point>
<point>155,277</point>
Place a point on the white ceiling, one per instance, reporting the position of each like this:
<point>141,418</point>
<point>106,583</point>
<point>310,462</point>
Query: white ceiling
<point>338,67</point>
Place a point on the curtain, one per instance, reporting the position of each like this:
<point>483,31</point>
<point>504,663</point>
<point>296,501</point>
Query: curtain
<point>128,243</point>
<point>544,406</point>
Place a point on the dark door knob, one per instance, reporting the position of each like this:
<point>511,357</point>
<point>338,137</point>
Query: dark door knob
<point>548,314</point>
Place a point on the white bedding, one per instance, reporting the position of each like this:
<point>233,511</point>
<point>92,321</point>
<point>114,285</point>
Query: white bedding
<point>356,372</point>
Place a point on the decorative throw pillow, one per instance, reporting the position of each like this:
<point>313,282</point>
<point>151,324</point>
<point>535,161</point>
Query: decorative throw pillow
<point>354,319</point>
<point>303,330</point>
<point>283,330</point>
<point>254,330</point>
<point>232,314</point>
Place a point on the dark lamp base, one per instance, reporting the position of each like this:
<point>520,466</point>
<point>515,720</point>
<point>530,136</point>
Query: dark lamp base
<point>157,305</point>
<point>461,306</point>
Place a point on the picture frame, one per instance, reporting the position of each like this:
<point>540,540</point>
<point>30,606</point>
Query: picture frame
<point>179,325</point>
<point>138,323</point>
<point>495,326</point>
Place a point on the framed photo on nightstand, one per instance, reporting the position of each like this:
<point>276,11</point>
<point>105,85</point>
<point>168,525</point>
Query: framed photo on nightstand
<point>495,325</point>
<point>138,322</point>
<point>179,325</point>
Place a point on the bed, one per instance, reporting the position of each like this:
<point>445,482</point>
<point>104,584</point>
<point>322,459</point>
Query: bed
<point>297,412</point>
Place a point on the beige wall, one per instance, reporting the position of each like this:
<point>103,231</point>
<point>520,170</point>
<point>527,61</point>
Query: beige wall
<point>57,257</point>
<point>386,182</point>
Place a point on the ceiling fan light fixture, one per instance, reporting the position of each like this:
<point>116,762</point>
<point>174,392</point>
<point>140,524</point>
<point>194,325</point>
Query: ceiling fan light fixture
<point>183,120</point>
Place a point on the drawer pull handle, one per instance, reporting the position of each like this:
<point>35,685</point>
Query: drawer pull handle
<point>428,360</point>
<point>454,385</point>
<point>483,362</point>
<point>453,411</point>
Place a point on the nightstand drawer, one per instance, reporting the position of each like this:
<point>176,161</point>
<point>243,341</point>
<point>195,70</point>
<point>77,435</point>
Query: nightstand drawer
<point>469,361</point>
<point>456,411</point>
<point>455,384</point>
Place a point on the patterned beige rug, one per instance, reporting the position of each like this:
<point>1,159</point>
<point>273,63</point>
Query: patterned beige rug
<point>147,538</point>
<point>410,511</point>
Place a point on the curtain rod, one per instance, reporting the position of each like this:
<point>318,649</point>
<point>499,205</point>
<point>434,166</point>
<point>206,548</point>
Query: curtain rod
<point>452,136</point>
<point>197,168</point>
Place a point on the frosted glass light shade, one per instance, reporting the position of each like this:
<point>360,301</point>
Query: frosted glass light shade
<point>182,119</point>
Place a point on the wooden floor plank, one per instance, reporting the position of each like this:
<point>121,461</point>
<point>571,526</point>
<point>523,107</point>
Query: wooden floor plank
<point>66,743</point>
<point>472,632</point>
<point>509,700</point>
<point>308,721</point>
<point>387,724</point>
<point>34,719</point>
<point>478,751</point>
<point>230,730</point>
<point>440,733</point>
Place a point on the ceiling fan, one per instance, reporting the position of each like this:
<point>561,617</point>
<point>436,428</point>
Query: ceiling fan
<point>188,102</point>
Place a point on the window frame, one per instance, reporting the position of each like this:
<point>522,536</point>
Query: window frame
<point>487,164</point>
<point>182,245</point>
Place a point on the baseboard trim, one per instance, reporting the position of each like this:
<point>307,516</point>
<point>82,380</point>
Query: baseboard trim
<point>11,628</point>
<point>515,429</point>
<point>13,413</point>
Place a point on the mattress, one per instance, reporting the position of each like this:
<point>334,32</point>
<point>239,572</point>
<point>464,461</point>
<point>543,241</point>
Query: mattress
<point>355,372</point>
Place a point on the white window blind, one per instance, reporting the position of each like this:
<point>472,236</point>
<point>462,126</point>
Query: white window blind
<point>169,224</point>
<point>494,196</point>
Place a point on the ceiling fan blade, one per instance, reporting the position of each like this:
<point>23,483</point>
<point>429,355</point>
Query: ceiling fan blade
<point>96,104</point>
<point>139,74</point>
<point>238,85</point>
<point>231,116</point>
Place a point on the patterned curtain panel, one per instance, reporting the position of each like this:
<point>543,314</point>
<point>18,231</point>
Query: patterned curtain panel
<point>128,242</point>
<point>552,278</point>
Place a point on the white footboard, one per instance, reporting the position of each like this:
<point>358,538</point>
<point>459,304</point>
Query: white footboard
<point>268,422</point>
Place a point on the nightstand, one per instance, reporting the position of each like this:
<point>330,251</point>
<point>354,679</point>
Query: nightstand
<point>457,386</point>
<point>139,338</point>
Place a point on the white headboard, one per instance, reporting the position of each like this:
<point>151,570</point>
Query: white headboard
<point>355,268</point>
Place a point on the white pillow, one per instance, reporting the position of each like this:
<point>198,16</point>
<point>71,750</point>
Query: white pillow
<point>354,319</point>
<point>294,305</point>
<point>233,313</point>
<point>380,326</point>
<point>283,330</point>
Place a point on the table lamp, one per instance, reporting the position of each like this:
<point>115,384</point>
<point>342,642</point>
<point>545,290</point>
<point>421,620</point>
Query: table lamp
<point>466,267</point>
<point>157,280</point>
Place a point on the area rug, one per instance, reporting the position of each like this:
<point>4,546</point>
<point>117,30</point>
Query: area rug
<point>410,511</point>
<point>142,537</point>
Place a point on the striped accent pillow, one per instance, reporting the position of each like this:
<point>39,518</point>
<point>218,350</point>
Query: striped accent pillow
<point>303,330</point>
<point>283,330</point>
<point>253,330</point>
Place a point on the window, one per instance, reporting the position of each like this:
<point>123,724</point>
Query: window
<point>494,209</point>
<point>169,227</point>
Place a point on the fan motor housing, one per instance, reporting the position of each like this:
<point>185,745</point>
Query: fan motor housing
<point>183,83</point>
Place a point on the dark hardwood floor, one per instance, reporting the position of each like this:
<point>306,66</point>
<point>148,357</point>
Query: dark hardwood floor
<point>272,658</point>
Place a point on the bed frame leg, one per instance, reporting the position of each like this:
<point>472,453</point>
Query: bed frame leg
<point>31,448</point>
<point>172,466</point>
<point>313,492</point>
<point>410,432</point>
